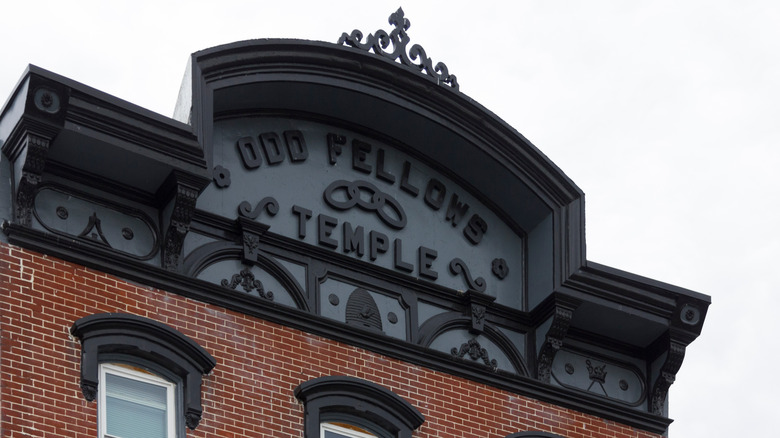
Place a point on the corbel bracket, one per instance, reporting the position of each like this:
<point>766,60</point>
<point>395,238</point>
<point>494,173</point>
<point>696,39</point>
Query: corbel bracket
<point>553,340</point>
<point>182,190</point>
<point>37,148</point>
<point>686,324</point>
<point>672,364</point>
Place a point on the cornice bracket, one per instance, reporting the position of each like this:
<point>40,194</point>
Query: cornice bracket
<point>183,190</point>
<point>553,340</point>
<point>666,376</point>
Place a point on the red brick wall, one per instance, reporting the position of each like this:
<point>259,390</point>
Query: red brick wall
<point>250,392</point>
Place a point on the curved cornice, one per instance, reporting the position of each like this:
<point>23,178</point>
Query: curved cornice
<point>335,392</point>
<point>320,64</point>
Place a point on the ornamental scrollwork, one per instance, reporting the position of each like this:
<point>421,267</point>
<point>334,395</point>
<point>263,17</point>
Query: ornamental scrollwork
<point>458,266</point>
<point>269,204</point>
<point>475,352</point>
<point>246,279</point>
<point>379,41</point>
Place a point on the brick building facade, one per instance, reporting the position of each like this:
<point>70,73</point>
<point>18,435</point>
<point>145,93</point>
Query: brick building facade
<point>324,241</point>
<point>250,391</point>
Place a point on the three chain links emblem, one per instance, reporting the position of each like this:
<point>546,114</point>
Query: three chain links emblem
<point>385,206</point>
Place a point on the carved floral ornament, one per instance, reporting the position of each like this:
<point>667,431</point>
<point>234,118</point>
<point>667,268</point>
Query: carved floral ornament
<point>380,40</point>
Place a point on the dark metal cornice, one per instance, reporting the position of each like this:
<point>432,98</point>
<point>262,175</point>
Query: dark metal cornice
<point>133,270</point>
<point>276,60</point>
<point>639,293</point>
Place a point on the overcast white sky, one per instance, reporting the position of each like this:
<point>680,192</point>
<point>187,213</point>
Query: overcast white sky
<point>666,113</point>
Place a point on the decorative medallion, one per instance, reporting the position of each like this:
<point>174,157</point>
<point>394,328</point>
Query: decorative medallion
<point>500,268</point>
<point>62,212</point>
<point>690,315</point>
<point>221,177</point>
<point>47,100</point>
<point>380,40</point>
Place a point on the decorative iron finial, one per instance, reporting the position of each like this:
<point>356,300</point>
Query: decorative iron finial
<point>380,40</point>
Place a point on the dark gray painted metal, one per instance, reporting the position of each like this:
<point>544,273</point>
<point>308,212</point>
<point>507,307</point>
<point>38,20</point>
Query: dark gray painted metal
<point>620,315</point>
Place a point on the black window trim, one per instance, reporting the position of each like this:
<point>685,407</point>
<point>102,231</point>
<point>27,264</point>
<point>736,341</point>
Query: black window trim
<point>334,398</point>
<point>105,336</point>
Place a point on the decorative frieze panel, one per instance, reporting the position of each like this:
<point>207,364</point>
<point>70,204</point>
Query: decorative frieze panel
<point>599,376</point>
<point>234,275</point>
<point>460,344</point>
<point>363,308</point>
<point>347,193</point>
<point>96,220</point>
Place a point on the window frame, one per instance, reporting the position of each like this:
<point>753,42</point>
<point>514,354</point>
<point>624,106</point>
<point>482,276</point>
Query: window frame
<point>356,401</point>
<point>151,345</point>
<point>117,369</point>
<point>348,433</point>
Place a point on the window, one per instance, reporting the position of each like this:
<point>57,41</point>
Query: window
<point>109,341</point>
<point>348,407</point>
<point>134,403</point>
<point>332,430</point>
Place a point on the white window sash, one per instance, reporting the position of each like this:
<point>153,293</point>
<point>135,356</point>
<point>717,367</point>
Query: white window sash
<point>341,431</point>
<point>142,377</point>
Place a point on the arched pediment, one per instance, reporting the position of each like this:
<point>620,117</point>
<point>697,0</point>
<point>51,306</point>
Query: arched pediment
<point>359,92</point>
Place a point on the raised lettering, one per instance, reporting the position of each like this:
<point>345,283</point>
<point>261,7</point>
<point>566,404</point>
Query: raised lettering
<point>381,173</point>
<point>435,193</point>
<point>377,243</point>
<point>360,150</point>
<point>249,151</point>
<point>456,210</point>
<point>475,229</point>
<point>398,261</point>
<point>296,146</point>
<point>353,239</point>
<point>325,229</point>
<point>405,184</point>
<point>304,214</point>
<point>335,142</point>
<point>426,257</point>
<point>272,147</point>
